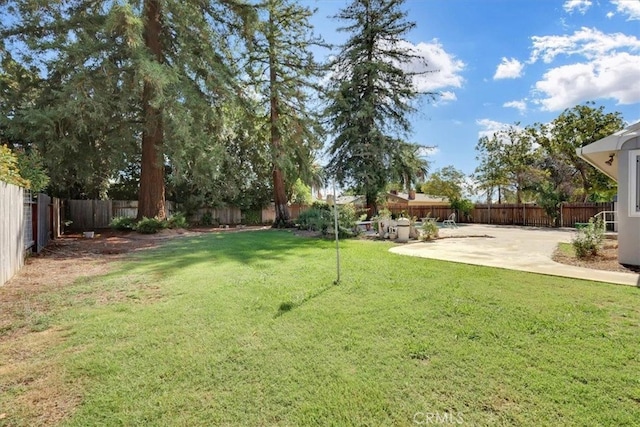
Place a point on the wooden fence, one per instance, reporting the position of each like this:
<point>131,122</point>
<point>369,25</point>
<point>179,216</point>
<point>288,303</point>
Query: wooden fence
<point>513,214</point>
<point>227,215</point>
<point>26,223</point>
<point>42,225</point>
<point>87,215</point>
<point>11,230</point>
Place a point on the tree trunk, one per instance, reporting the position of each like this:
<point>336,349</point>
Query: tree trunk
<point>151,201</point>
<point>585,184</point>
<point>280,200</point>
<point>283,217</point>
<point>372,208</point>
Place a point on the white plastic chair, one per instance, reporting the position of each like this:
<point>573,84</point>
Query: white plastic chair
<point>450,221</point>
<point>393,227</point>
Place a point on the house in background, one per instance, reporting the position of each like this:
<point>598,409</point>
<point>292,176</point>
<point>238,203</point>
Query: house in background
<point>359,202</point>
<point>397,200</point>
<point>618,156</point>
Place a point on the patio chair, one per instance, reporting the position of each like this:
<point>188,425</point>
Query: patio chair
<point>450,221</point>
<point>393,227</point>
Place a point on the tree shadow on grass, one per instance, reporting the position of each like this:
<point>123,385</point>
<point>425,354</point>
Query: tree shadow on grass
<point>287,306</point>
<point>250,248</point>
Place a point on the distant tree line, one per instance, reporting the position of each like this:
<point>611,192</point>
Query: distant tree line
<point>222,102</point>
<point>208,103</point>
<point>536,163</point>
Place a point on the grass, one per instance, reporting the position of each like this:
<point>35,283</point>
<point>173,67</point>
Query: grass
<point>566,249</point>
<point>249,329</point>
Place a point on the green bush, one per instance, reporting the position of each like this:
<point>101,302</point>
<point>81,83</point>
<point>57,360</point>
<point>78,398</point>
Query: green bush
<point>253,217</point>
<point>208,219</point>
<point>430,230</point>
<point>383,214</point>
<point>347,218</point>
<point>178,220</point>
<point>9,169</point>
<point>322,219</point>
<point>320,205</point>
<point>589,239</point>
<point>150,225</point>
<point>123,223</point>
<point>463,206</point>
<point>315,219</point>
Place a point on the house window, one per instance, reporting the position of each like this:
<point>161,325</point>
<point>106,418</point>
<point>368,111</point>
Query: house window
<point>634,183</point>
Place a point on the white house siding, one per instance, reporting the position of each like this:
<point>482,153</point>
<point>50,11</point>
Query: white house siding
<point>629,243</point>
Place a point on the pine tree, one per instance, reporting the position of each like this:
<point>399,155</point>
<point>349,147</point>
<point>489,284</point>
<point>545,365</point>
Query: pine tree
<point>370,96</point>
<point>284,72</point>
<point>124,79</point>
<point>574,128</point>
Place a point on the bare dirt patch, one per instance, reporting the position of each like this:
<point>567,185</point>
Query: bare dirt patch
<point>33,390</point>
<point>606,260</point>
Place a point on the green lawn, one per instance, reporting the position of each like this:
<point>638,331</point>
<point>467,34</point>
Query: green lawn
<point>248,329</point>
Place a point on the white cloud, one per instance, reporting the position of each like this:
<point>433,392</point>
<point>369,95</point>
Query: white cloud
<point>608,68</point>
<point>580,5</point>
<point>615,76</point>
<point>425,151</point>
<point>440,69</point>
<point>432,67</point>
<point>447,96</point>
<point>631,8</point>
<point>610,15</point>
<point>509,69</point>
<point>588,42</point>
<point>489,127</point>
<point>521,106</point>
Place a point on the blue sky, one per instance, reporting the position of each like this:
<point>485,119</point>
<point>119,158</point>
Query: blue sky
<point>507,61</point>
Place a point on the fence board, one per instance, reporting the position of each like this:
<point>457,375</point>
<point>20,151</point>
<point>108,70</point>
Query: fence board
<point>125,208</point>
<point>268,214</point>
<point>87,215</point>
<point>43,222</point>
<point>56,217</point>
<point>227,215</point>
<point>12,219</point>
<point>93,214</point>
<point>29,215</point>
<point>529,215</point>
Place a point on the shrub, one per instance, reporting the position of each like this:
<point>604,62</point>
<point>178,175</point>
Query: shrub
<point>177,220</point>
<point>318,204</point>
<point>322,219</point>
<point>208,219</point>
<point>123,223</point>
<point>430,230</point>
<point>301,193</point>
<point>253,217</point>
<point>463,206</point>
<point>150,225</point>
<point>589,239</point>
<point>9,170</point>
<point>383,214</point>
<point>347,218</point>
<point>315,219</point>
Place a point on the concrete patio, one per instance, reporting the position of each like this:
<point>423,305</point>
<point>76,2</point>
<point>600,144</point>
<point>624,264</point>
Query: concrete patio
<point>514,248</point>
